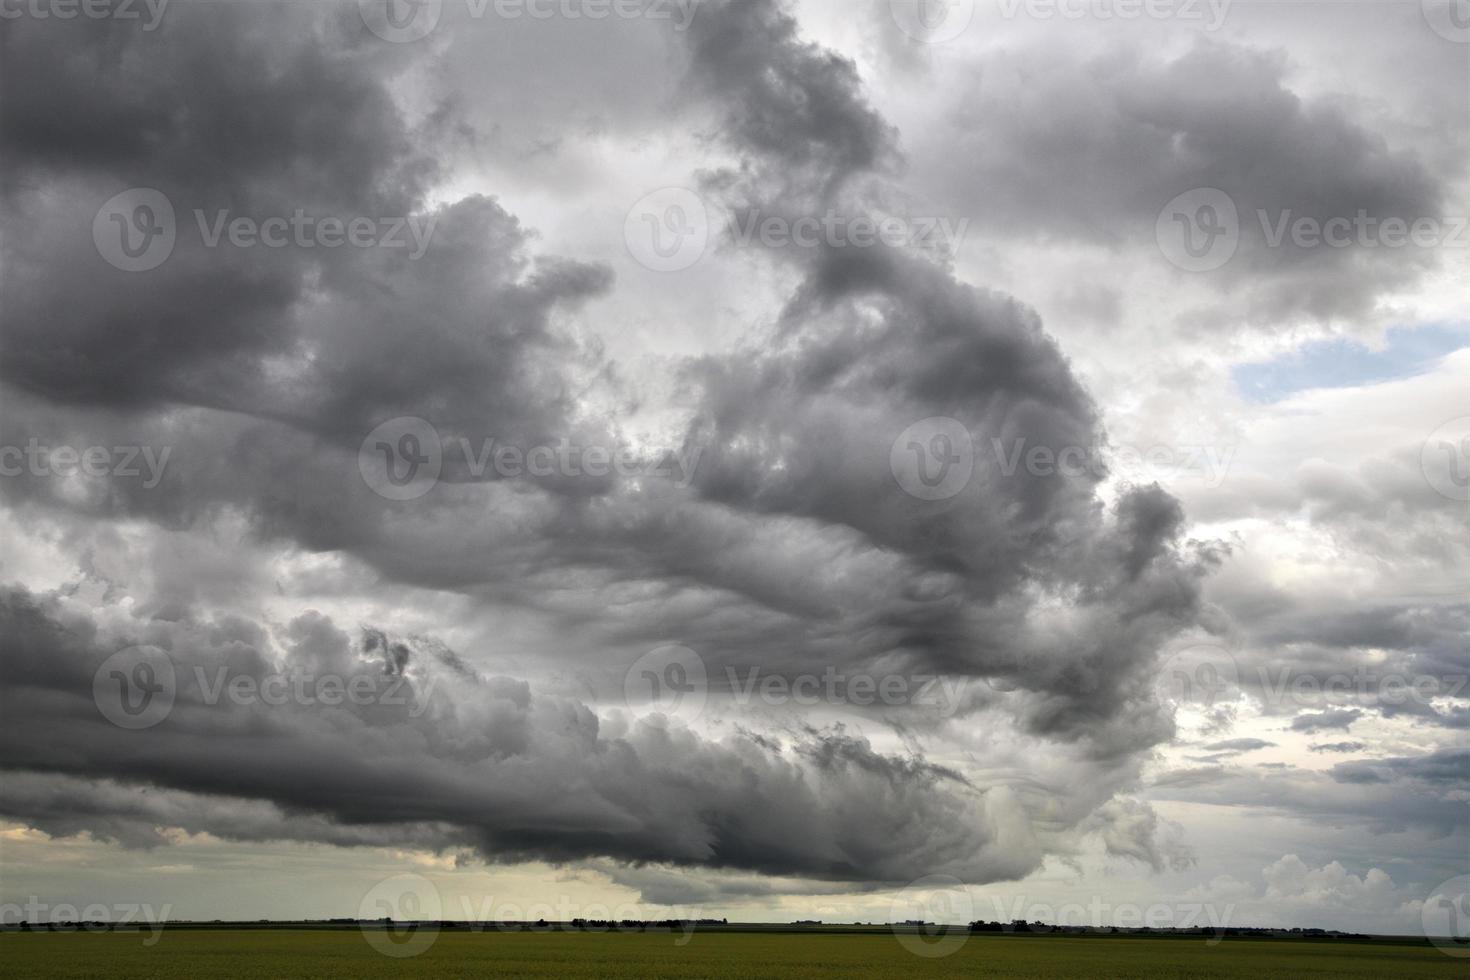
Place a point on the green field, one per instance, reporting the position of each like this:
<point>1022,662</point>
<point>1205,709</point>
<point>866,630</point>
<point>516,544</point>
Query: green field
<point>188,954</point>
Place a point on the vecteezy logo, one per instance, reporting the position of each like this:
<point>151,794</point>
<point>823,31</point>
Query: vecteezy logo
<point>1199,230</point>
<point>668,230</point>
<point>1201,673</point>
<point>1445,459</point>
<point>135,230</point>
<point>668,682</point>
<point>134,688</point>
<point>1446,916</point>
<point>933,459</point>
<point>932,916</point>
<point>402,458</point>
<point>932,21</point>
<point>399,916</point>
<point>1449,19</point>
<point>401,21</point>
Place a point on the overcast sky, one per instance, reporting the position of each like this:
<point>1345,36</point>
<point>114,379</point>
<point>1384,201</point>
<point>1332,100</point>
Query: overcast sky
<point>757,459</point>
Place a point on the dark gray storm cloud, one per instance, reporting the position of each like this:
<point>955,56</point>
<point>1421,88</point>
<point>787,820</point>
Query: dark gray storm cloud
<point>873,340</point>
<point>1342,718</point>
<point>1239,745</point>
<point>1421,796</point>
<point>1339,747</point>
<point>791,547</point>
<point>194,110</point>
<point>327,340</point>
<point>432,754</point>
<point>1329,662</point>
<point>1059,143</point>
<point>1448,767</point>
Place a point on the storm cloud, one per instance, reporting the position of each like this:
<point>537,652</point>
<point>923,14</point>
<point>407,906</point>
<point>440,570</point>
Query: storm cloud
<point>774,412</point>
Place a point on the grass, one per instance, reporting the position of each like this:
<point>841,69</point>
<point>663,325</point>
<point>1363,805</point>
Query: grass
<point>331,955</point>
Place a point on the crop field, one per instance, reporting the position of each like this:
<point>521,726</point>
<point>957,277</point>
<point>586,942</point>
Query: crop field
<point>200,953</point>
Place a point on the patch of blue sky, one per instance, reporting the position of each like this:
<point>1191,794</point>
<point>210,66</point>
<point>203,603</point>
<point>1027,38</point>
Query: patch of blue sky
<point>1341,363</point>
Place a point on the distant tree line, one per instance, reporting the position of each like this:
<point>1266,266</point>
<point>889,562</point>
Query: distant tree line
<point>1022,926</point>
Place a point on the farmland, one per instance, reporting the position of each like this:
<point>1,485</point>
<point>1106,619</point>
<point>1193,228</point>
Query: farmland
<point>331,954</point>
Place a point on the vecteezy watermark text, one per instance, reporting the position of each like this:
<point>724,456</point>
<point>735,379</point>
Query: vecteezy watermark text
<point>1208,672</point>
<point>674,681</point>
<point>1445,459</point>
<point>136,230</point>
<point>65,917</point>
<point>1445,915</point>
<point>1450,19</point>
<point>935,459</point>
<point>1019,914</point>
<point>137,688</point>
<point>405,457</point>
<point>305,231</point>
<point>1201,230</point>
<point>932,21</point>
<point>1138,463</point>
<point>836,230</point>
<point>1209,13</point>
<point>150,12</point>
<point>932,915</point>
<point>40,460</point>
<point>308,689</point>
<point>405,911</point>
<point>401,916</point>
<point>487,912</point>
<point>405,21</point>
<point>673,228</point>
<point>834,687</point>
